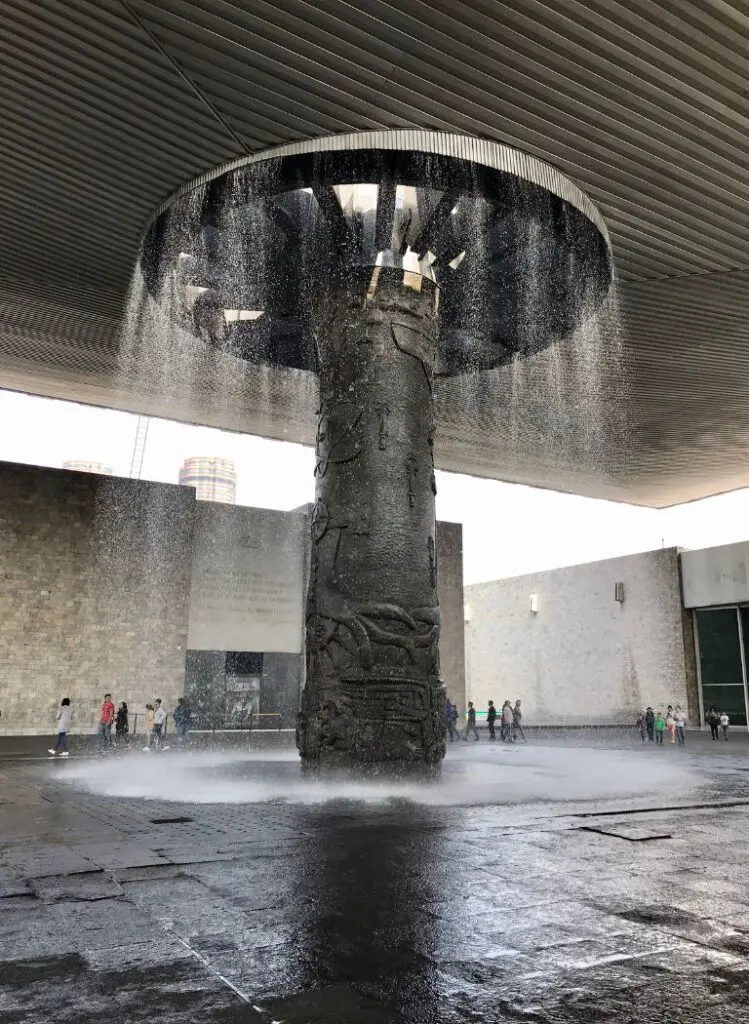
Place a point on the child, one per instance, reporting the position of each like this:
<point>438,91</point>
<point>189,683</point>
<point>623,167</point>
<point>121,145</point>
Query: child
<point>149,726</point>
<point>64,716</point>
<point>660,727</point>
<point>725,721</point>
<point>671,725</point>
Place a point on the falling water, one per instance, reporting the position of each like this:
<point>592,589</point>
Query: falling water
<point>164,366</point>
<point>541,416</point>
<point>556,417</point>
<point>161,362</point>
<point>566,404</point>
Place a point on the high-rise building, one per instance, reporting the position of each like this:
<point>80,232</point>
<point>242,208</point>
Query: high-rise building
<point>84,466</point>
<point>213,479</point>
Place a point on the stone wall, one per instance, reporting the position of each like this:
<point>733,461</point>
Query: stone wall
<point>95,580</point>
<point>583,658</point>
<point>94,591</point>
<point>450,593</point>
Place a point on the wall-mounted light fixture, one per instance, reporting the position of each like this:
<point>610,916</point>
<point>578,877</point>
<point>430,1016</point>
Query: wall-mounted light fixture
<point>467,613</point>
<point>534,604</point>
<point>619,591</point>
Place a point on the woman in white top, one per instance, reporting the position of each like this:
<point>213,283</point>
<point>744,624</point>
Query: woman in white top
<point>671,726</point>
<point>681,723</point>
<point>64,717</point>
<point>159,721</point>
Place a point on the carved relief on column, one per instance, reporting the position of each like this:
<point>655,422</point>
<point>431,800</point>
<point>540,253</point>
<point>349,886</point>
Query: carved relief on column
<point>412,470</point>
<point>432,562</point>
<point>382,412</point>
<point>338,434</point>
<point>373,691</point>
<point>432,478</point>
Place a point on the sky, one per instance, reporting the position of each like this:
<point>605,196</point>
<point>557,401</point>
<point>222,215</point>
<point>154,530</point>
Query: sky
<point>508,529</point>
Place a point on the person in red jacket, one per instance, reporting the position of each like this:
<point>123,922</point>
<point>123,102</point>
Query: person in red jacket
<point>106,720</point>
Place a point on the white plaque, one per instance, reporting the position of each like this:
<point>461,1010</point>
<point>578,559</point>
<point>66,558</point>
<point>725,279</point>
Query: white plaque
<point>247,580</point>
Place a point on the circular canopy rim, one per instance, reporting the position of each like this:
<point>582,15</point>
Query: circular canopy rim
<point>468,148</point>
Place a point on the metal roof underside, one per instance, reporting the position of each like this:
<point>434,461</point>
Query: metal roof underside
<point>108,106</point>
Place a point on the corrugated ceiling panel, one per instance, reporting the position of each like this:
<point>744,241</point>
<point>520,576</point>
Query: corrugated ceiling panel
<point>110,105</point>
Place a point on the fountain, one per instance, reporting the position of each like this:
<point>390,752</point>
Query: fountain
<point>377,261</point>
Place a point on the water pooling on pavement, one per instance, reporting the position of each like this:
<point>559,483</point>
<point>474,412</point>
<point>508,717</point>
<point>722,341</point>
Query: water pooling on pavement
<point>217,889</point>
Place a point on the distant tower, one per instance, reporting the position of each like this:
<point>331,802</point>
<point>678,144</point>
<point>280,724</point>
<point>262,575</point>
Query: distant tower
<point>213,479</point>
<point>82,466</point>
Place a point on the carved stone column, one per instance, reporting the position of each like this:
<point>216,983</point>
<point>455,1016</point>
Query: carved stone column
<point>373,692</point>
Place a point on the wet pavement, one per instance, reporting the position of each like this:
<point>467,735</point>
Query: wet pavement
<point>547,884</point>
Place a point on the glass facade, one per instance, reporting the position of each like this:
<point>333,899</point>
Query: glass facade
<point>723,642</point>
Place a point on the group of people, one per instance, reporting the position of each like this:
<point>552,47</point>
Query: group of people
<point>510,722</point>
<point>654,725</point>
<point>119,720</point>
<point>718,722</point>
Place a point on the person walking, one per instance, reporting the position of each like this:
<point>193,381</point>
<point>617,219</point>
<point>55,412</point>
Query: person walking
<point>650,723</point>
<point>452,721</point>
<point>725,721</point>
<point>713,720</point>
<point>491,717</point>
<point>471,722</point>
<point>106,719</point>
<point>680,722</point>
<point>517,721</point>
<point>670,724</point>
<point>182,717</point>
<point>502,723</point>
<point>640,724</point>
<point>508,723</point>
<point>159,721</point>
<point>149,726</point>
<point>64,718</point>
<point>121,724</point>
<point>660,727</point>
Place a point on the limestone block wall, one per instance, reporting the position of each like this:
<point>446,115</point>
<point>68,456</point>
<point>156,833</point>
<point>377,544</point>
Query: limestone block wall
<point>583,658</point>
<point>94,591</point>
<point>95,584</point>
<point>450,593</point>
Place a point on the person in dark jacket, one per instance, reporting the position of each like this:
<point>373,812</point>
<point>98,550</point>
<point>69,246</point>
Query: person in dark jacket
<point>713,720</point>
<point>491,717</point>
<point>121,723</point>
<point>650,723</point>
<point>182,717</point>
<point>471,721</point>
<point>452,721</point>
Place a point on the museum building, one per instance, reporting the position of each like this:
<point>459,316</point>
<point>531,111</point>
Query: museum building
<point>137,588</point>
<point>594,644</point>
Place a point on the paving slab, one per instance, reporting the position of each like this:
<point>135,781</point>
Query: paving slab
<point>483,899</point>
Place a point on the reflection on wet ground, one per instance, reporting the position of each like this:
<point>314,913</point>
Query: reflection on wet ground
<point>532,884</point>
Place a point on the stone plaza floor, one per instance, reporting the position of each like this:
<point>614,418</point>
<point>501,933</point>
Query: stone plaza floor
<point>539,883</point>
